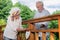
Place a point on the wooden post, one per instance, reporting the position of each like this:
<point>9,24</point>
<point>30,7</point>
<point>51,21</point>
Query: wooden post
<point>59,26</point>
<point>31,37</point>
<point>51,36</point>
<point>43,36</point>
<point>31,27</point>
<point>1,33</point>
<point>36,36</point>
<point>18,37</point>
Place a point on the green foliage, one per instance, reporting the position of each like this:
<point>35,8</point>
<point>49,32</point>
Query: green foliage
<point>2,22</point>
<point>56,12</point>
<point>53,24</point>
<point>5,6</point>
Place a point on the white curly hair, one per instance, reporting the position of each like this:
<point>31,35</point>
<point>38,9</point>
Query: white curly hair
<point>14,9</point>
<point>40,2</point>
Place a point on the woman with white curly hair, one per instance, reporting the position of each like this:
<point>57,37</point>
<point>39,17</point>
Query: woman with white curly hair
<point>13,24</point>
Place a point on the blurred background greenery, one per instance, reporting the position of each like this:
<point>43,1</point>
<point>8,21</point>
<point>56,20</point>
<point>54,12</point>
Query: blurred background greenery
<point>26,14</point>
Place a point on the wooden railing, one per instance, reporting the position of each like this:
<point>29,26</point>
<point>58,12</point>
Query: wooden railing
<point>34,32</point>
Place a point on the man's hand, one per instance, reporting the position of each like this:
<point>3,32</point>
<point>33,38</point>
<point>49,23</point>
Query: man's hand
<point>42,26</point>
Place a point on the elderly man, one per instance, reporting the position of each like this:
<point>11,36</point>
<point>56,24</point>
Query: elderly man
<point>38,14</point>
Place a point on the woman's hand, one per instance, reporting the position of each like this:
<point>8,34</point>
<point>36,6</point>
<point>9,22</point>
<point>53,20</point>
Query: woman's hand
<point>25,29</point>
<point>19,29</point>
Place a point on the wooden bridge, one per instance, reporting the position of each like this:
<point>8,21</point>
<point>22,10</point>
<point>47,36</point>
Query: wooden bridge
<point>34,32</point>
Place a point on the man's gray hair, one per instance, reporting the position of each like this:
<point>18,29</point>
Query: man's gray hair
<point>39,2</point>
<point>14,9</point>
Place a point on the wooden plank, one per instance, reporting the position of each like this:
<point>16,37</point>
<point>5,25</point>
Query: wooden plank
<point>51,36</point>
<point>31,36</point>
<point>59,26</point>
<point>1,33</point>
<point>46,18</point>
<point>31,27</point>
<point>47,30</point>
<point>36,36</point>
<point>43,36</point>
<point>18,37</point>
<point>1,36</point>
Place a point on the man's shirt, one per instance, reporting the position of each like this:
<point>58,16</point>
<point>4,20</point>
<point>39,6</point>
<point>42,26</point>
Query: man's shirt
<point>39,15</point>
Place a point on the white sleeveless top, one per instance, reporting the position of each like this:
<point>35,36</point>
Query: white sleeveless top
<point>10,30</point>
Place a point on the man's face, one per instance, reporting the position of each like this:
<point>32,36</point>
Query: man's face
<point>39,6</point>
